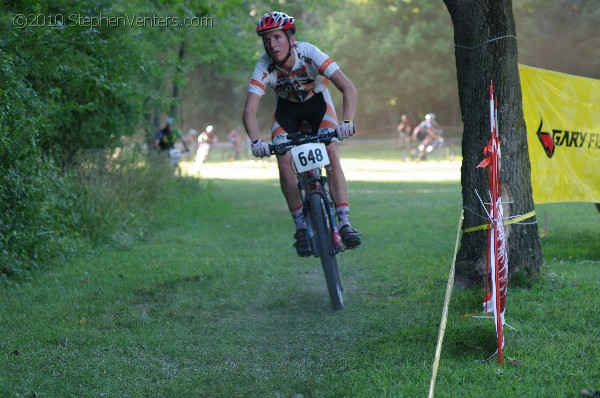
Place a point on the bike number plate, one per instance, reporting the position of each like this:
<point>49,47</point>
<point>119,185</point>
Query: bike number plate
<point>310,156</point>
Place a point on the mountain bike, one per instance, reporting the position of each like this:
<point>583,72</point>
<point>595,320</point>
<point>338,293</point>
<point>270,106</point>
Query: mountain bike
<point>309,156</point>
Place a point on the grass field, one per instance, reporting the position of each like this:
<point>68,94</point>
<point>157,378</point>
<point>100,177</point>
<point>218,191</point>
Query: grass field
<point>215,303</point>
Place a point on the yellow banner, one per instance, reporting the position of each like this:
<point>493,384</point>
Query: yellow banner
<point>562,114</point>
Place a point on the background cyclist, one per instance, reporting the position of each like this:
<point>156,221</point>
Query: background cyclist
<point>429,134</point>
<point>166,137</point>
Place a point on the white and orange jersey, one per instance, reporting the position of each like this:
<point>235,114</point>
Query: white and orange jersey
<point>310,74</point>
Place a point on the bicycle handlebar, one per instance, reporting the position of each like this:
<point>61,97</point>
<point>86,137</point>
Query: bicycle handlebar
<point>299,139</point>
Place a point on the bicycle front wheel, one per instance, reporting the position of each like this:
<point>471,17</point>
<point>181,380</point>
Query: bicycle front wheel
<point>326,251</point>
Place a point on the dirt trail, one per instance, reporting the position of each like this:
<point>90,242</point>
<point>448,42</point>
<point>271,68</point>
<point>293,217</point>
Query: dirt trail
<point>355,170</point>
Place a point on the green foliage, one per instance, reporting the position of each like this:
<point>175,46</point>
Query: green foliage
<point>545,42</point>
<point>399,54</point>
<point>118,191</point>
<point>106,199</point>
<point>88,79</point>
<point>47,208</point>
<point>67,88</point>
<point>34,201</point>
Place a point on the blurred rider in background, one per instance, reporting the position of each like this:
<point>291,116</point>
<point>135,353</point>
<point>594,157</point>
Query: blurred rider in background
<point>166,137</point>
<point>235,141</point>
<point>165,140</point>
<point>206,140</point>
<point>299,73</point>
<point>405,128</point>
<point>429,134</point>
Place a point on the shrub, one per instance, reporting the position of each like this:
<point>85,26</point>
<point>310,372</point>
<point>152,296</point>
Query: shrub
<point>118,189</point>
<point>34,198</point>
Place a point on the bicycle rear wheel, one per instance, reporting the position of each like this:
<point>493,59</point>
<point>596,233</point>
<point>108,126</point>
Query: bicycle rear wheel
<point>320,223</point>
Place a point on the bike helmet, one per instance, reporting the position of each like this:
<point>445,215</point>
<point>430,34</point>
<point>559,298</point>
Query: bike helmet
<point>430,116</point>
<point>275,20</point>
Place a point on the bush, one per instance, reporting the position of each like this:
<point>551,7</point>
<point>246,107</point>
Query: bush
<point>45,210</point>
<point>34,199</point>
<point>119,188</point>
<point>63,92</point>
<point>105,198</point>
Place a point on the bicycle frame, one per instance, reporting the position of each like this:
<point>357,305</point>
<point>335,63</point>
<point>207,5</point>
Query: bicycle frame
<point>313,182</point>
<point>309,155</point>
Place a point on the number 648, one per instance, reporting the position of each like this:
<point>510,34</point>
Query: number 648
<point>312,157</point>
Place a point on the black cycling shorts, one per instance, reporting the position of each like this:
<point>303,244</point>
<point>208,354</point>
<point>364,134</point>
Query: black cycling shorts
<point>291,115</point>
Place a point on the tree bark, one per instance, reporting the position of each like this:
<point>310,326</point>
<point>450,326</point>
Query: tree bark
<point>175,108</point>
<point>486,49</point>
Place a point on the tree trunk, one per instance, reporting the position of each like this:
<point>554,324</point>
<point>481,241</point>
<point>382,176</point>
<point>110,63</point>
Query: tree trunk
<point>175,108</point>
<point>486,49</point>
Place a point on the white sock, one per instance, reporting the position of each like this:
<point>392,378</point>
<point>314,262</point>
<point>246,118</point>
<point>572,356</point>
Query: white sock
<point>343,214</point>
<point>298,216</point>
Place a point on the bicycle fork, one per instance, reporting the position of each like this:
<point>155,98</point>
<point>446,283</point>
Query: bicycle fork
<point>319,185</point>
<point>335,233</point>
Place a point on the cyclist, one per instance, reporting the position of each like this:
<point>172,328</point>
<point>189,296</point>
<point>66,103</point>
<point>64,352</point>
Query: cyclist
<point>234,140</point>
<point>405,128</point>
<point>299,73</point>
<point>166,137</point>
<point>206,140</point>
<point>165,140</point>
<point>429,134</point>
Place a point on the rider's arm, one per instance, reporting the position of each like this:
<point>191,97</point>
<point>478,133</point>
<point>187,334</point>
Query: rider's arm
<point>348,91</point>
<point>249,116</point>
